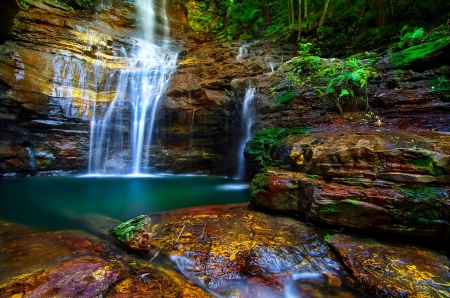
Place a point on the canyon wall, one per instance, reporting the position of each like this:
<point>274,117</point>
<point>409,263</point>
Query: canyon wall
<point>57,69</point>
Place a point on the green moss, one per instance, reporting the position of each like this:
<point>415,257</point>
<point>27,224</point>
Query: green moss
<point>429,164</point>
<point>423,163</point>
<point>311,176</point>
<point>409,55</point>
<point>263,145</point>
<point>328,208</point>
<point>284,98</point>
<point>259,182</point>
<point>126,230</point>
<point>353,201</point>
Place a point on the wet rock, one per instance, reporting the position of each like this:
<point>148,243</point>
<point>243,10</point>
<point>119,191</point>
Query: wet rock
<point>134,233</point>
<point>83,277</point>
<point>359,203</point>
<point>394,270</point>
<point>154,281</point>
<point>373,154</point>
<point>234,249</point>
<point>27,251</point>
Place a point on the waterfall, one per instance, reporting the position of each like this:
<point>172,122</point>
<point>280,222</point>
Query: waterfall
<point>248,117</point>
<point>243,52</point>
<point>121,136</point>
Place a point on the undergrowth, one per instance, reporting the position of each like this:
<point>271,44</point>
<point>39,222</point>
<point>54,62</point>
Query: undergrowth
<point>262,147</point>
<point>340,79</point>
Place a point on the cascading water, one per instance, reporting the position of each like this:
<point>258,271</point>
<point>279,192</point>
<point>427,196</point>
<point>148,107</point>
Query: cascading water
<point>243,52</point>
<point>121,137</point>
<point>248,117</point>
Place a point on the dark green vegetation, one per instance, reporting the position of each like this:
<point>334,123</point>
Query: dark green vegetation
<point>262,147</point>
<point>338,28</point>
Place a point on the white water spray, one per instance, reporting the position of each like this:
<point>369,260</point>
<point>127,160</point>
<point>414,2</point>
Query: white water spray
<point>122,136</point>
<point>248,117</point>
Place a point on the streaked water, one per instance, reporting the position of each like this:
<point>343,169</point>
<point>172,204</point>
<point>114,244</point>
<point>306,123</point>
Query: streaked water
<point>56,203</point>
<point>248,115</point>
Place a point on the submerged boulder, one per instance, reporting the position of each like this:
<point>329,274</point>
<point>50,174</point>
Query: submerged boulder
<point>134,233</point>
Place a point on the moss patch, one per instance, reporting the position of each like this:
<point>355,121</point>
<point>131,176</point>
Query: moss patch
<point>406,57</point>
<point>127,230</point>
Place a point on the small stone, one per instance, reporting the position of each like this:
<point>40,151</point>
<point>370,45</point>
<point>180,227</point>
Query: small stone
<point>134,233</point>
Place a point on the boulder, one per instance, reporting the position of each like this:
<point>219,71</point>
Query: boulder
<point>134,233</point>
<point>394,270</point>
<point>383,155</point>
<point>356,202</point>
<point>233,249</point>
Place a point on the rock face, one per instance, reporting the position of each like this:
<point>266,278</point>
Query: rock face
<point>77,264</point>
<point>56,65</point>
<point>391,181</point>
<point>217,251</point>
<point>56,72</point>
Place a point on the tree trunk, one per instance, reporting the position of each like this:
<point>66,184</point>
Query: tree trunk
<point>227,18</point>
<point>299,18</point>
<point>291,12</point>
<point>322,18</point>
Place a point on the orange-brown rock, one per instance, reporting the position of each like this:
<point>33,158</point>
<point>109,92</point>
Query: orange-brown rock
<point>358,203</point>
<point>394,269</point>
<point>232,249</point>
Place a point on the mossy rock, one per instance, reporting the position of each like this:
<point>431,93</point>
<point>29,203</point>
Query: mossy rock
<point>134,233</point>
<point>423,56</point>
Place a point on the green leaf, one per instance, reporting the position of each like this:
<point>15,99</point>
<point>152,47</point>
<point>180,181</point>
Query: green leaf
<point>344,92</point>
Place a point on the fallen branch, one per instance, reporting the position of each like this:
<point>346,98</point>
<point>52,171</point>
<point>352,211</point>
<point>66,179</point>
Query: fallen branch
<point>169,246</point>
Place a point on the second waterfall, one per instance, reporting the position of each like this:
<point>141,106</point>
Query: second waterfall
<point>121,137</point>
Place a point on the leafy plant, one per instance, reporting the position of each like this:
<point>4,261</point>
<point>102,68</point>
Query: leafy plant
<point>408,38</point>
<point>286,97</point>
<point>245,18</point>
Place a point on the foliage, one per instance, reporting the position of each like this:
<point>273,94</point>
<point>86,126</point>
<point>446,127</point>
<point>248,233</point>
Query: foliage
<point>342,78</point>
<point>263,145</point>
<point>25,4</point>
<point>285,98</point>
<point>411,54</point>
<point>202,17</point>
<point>409,38</point>
<point>245,19</point>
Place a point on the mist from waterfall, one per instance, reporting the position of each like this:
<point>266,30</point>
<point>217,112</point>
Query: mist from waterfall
<point>248,115</point>
<point>121,137</point>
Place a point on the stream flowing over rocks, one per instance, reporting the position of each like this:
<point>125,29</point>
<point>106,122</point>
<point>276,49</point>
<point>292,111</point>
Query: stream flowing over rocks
<point>358,205</point>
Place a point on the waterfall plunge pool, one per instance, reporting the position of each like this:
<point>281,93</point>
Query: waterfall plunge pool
<point>55,203</point>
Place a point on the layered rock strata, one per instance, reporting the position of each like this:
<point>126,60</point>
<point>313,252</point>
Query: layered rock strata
<point>391,181</point>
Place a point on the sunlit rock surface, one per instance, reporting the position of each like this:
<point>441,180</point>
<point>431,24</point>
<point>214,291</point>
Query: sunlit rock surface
<point>233,249</point>
<point>394,270</point>
<point>77,264</point>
